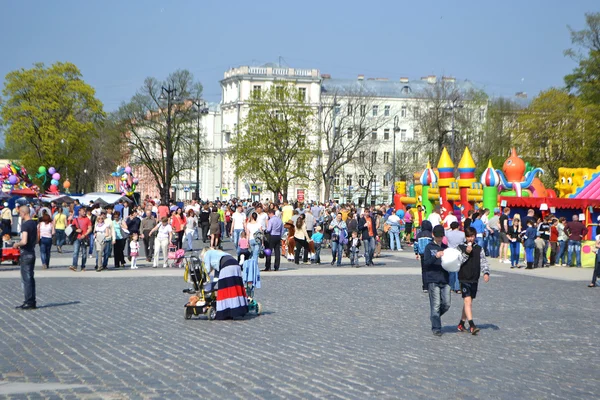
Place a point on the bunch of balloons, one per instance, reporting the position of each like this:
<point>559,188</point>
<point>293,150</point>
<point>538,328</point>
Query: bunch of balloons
<point>16,178</point>
<point>53,175</point>
<point>128,181</point>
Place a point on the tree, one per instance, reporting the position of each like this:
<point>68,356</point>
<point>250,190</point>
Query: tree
<point>348,117</point>
<point>145,123</point>
<point>50,116</point>
<point>585,78</point>
<point>558,130</point>
<point>275,144</point>
<point>440,102</point>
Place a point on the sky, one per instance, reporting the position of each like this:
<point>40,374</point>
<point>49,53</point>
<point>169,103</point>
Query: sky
<point>504,47</point>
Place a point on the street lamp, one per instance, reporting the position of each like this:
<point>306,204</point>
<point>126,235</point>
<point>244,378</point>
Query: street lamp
<point>452,105</point>
<point>201,109</point>
<point>168,94</point>
<point>396,129</point>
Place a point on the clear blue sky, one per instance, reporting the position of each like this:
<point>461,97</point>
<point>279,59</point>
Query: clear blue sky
<point>505,46</point>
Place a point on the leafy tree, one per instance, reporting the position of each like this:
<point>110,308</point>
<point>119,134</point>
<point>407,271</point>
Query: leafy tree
<point>50,116</point>
<point>558,130</point>
<point>275,144</point>
<point>145,120</point>
<point>585,78</point>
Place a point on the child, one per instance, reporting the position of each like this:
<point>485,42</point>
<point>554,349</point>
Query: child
<point>317,238</point>
<point>473,263</point>
<point>436,279</point>
<point>529,243</point>
<point>540,246</point>
<point>134,249</point>
<point>354,245</point>
<point>6,242</point>
<point>423,239</point>
<point>243,251</point>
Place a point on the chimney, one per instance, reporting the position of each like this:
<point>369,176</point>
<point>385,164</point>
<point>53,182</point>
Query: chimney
<point>325,76</point>
<point>404,80</point>
<point>361,77</point>
<point>521,95</point>
<point>449,79</point>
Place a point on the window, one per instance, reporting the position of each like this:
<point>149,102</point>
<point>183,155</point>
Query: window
<point>301,140</point>
<point>336,180</point>
<point>416,135</point>
<point>416,112</point>
<point>302,94</point>
<point>279,115</point>
<point>374,134</point>
<point>403,157</point>
<point>361,180</point>
<point>403,112</point>
<point>415,157</point>
<point>350,110</point>
<point>363,110</point>
<point>402,135</point>
<point>256,92</point>
<point>386,134</point>
<point>349,133</point>
<point>361,156</point>
<point>336,109</point>
<point>375,109</point>
<point>279,92</point>
<point>386,111</point>
<point>373,157</point>
<point>386,157</point>
<point>349,180</point>
<point>481,115</point>
<point>386,181</point>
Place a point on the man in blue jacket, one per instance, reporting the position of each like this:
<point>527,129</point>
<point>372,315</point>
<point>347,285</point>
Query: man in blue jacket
<point>436,279</point>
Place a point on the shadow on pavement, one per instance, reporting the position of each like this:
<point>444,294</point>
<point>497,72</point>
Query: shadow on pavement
<point>452,328</point>
<point>70,303</point>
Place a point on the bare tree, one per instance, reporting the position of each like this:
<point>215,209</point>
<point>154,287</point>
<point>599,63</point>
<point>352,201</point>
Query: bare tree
<point>348,118</point>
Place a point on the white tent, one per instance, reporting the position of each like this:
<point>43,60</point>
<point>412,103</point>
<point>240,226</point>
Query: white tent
<point>57,198</point>
<point>101,198</point>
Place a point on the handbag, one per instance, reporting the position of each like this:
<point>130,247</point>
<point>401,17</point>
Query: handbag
<point>85,240</point>
<point>386,228</point>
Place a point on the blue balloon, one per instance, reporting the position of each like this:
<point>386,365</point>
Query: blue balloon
<point>400,214</point>
<point>54,182</point>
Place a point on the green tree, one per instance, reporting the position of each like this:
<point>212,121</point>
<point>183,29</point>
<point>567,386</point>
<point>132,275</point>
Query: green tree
<point>558,130</point>
<point>585,78</point>
<point>50,116</point>
<point>145,122</point>
<point>275,142</point>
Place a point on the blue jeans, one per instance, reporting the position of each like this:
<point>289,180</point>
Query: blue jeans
<point>236,236</point>
<point>561,257</point>
<point>454,283</point>
<point>77,246</point>
<point>494,244</point>
<point>574,247</point>
<point>317,258</point>
<point>255,246</point>
<point>439,303</point>
<point>394,238</point>
<point>106,249</point>
<point>45,247</point>
<point>61,237</point>
<point>222,227</point>
<point>529,254</point>
<point>515,253</point>
<point>91,238</point>
<point>369,250</point>
<point>189,238</point>
<point>27,281</point>
<point>336,252</point>
<point>479,241</point>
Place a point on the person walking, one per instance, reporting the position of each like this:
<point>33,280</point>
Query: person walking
<point>164,235</point>
<point>147,224</point>
<point>576,231</point>
<point>204,223</point>
<point>301,238</point>
<point>60,224</point>
<point>366,227</point>
<point>133,226</point>
<point>514,235</point>
<point>274,231</point>
<point>120,239</point>
<point>45,231</point>
<point>436,279</point>
<point>83,228</point>
<point>104,237</point>
<point>393,222</point>
<point>27,259</point>
<point>504,237</point>
<point>215,228</point>
<point>191,224</point>
<point>455,238</point>
<point>253,226</point>
<point>178,223</point>
<point>238,225</point>
<point>563,240</point>
<point>338,230</point>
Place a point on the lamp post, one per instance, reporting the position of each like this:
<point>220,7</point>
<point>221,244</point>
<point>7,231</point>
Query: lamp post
<point>171,98</point>
<point>201,109</point>
<point>396,129</point>
<point>452,105</point>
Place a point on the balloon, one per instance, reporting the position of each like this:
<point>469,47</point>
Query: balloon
<point>53,188</point>
<point>56,176</point>
<point>136,181</point>
<point>124,177</point>
<point>451,260</point>
<point>54,182</point>
<point>51,170</point>
<point>127,170</point>
<point>67,184</point>
<point>400,214</point>
<point>13,179</point>
<point>268,252</point>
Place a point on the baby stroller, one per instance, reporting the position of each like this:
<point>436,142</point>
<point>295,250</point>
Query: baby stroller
<point>175,256</point>
<point>204,292</point>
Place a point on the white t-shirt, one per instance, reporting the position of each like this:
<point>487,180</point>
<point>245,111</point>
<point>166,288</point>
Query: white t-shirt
<point>262,219</point>
<point>238,220</point>
<point>435,219</point>
<point>448,219</point>
<point>252,228</point>
<point>163,231</point>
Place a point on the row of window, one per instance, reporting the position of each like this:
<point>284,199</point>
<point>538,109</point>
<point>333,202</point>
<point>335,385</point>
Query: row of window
<point>404,157</point>
<point>386,134</point>
<point>361,181</point>
<point>256,92</point>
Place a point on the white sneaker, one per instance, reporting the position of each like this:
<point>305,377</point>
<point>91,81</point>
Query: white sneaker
<point>400,249</point>
<point>507,262</point>
<point>165,265</point>
<point>134,267</point>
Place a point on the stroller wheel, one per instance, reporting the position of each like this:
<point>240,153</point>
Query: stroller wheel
<point>259,308</point>
<point>211,313</point>
<point>187,313</point>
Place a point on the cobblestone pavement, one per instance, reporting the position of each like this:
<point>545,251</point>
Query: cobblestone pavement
<point>335,336</point>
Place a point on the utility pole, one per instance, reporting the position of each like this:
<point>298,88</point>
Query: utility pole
<point>201,109</point>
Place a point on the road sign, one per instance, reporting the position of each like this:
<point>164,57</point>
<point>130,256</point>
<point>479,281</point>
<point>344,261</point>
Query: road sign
<point>254,189</point>
<point>300,195</point>
<point>186,188</point>
<point>224,192</point>
<point>110,188</point>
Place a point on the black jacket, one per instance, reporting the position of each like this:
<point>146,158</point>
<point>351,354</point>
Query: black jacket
<point>432,266</point>
<point>473,264</point>
<point>362,227</point>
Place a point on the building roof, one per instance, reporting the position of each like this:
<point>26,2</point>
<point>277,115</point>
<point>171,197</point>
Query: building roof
<point>384,88</point>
